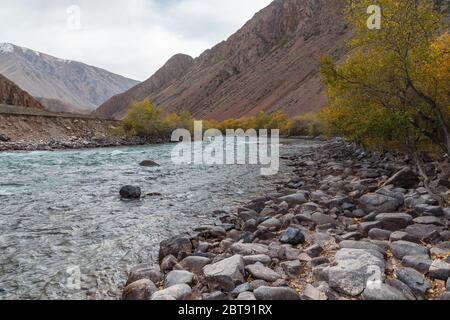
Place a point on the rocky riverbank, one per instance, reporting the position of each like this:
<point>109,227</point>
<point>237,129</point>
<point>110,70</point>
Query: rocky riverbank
<point>349,225</point>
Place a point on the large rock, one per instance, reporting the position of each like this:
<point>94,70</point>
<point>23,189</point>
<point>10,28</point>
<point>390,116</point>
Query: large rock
<point>401,249</point>
<point>354,267</point>
<point>141,272</point>
<point>414,280</point>
<point>195,264</point>
<point>248,249</point>
<point>259,271</point>
<point>177,292</point>
<point>180,247</point>
<point>382,292</point>
<point>421,231</point>
<point>419,263</point>
<point>148,163</point>
<point>226,274</point>
<point>405,178</point>
<point>139,290</point>
<point>280,293</point>
<point>130,192</point>
<point>295,199</point>
<point>378,202</point>
<point>440,270</point>
<point>178,277</point>
<point>292,236</point>
<point>394,221</point>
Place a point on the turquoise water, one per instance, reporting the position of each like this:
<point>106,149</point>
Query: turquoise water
<point>62,209</point>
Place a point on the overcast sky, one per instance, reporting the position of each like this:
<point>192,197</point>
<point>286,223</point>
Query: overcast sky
<point>129,37</point>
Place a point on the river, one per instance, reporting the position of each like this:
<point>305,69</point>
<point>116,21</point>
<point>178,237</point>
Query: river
<point>61,209</point>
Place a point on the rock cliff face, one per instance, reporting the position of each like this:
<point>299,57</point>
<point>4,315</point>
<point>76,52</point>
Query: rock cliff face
<point>11,94</point>
<point>270,64</point>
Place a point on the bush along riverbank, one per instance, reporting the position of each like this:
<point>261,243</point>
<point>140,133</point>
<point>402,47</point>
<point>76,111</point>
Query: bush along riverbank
<point>349,225</point>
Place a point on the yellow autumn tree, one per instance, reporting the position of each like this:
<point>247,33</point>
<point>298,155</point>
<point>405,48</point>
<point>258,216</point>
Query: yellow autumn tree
<point>393,90</point>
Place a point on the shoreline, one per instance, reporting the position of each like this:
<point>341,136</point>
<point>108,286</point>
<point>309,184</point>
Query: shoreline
<point>334,232</point>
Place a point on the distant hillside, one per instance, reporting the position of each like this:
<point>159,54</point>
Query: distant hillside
<point>11,94</point>
<point>73,83</point>
<point>270,64</point>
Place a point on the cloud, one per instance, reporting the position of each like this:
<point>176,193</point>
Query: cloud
<point>130,37</point>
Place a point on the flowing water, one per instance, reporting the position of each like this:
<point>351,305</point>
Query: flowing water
<point>61,210</point>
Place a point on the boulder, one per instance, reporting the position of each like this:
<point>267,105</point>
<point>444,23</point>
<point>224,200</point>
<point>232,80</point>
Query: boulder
<point>141,272</point>
<point>178,277</point>
<point>226,274</point>
<point>414,280</point>
<point>259,271</point>
<point>180,247</point>
<point>440,270</point>
<point>420,263</point>
<point>401,249</point>
<point>382,292</point>
<point>195,264</point>
<point>177,292</point>
<point>139,290</point>
<point>394,221</point>
<point>148,163</point>
<point>292,236</point>
<point>295,199</point>
<point>377,202</point>
<point>130,192</point>
<point>272,294</point>
<point>354,267</point>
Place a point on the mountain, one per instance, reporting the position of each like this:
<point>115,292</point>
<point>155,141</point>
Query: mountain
<point>11,94</point>
<point>73,83</point>
<point>58,106</point>
<point>270,64</point>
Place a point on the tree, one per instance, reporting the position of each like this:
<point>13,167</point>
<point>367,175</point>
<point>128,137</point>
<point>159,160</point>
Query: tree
<point>395,84</point>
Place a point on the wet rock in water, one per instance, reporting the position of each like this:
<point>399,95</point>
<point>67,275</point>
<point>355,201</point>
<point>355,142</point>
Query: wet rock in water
<point>130,192</point>
<point>440,270</point>
<point>272,294</point>
<point>148,163</point>
<point>394,221</point>
<point>139,290</point>
<point>405,178</point>
<point>195,264</point>
<point>382,292</point>
<point>401,249</point>
<point>178,277</point>
<point>259,271</point>
<point>292,236</point>
<point>226,274</point>
<point>414,280</point>
<point>141,272</point>
<point>246,296</point>
<point>419,263</point>
<point>353,269</point>
<point>178,292</point>
<point>180,247</point>
<point>377,202</point>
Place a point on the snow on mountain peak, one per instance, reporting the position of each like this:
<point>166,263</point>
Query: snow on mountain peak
<point>6,48</point>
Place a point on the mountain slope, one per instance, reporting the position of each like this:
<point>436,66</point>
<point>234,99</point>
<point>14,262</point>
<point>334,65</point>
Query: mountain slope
<point>11,94</point>
<point>73,83</point>
<point>270,64</point>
